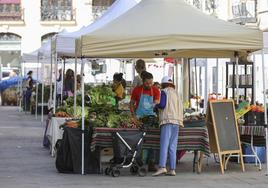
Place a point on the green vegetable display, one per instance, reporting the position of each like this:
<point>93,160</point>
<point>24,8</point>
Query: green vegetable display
<point>100,111</point>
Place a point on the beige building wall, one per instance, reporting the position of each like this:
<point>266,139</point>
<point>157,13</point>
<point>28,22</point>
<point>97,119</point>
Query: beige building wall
<point>31,28</point>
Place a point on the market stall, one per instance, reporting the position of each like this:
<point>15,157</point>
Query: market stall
<point>190,139</point>
<point>39,57</point>
<point>169,34</point>
<point>64,43</point>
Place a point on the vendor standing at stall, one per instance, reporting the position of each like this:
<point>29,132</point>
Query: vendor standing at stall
<point>142,103</point>
<point>171,117</point>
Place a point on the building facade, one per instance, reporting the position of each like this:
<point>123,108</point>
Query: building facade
<point>251,13</point>
<point>25,24</point>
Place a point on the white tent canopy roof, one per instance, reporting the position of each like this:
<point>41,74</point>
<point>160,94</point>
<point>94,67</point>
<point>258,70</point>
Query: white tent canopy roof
<point>33,57</point>
<point>169,28</point>
<point>65,42</point>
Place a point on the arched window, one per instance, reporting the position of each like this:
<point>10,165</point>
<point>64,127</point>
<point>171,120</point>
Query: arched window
<point>47,37</point>
<point>10,49</point>
<point>9,37</point>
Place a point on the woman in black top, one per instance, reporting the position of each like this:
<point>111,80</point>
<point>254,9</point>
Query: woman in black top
<point>29,88</point>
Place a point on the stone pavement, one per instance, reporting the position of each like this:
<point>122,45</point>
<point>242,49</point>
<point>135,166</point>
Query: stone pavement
<point>24,163</point>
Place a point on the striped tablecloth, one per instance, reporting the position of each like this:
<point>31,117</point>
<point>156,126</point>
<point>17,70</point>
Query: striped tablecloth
<point>190,138</point>
<point>252,130</point>
<point>256,134</point>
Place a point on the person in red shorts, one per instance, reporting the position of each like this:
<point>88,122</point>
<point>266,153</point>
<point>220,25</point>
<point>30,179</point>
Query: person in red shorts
<point>142,103</point>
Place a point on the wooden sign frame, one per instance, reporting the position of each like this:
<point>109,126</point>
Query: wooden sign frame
<point>214,139</point>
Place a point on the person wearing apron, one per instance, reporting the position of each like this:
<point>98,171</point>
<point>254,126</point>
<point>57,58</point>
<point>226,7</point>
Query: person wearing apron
<point>143,100</point>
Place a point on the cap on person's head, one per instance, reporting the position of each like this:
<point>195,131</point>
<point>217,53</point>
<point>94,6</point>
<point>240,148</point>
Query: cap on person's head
<point>166,80</point>
<point>30,72</point>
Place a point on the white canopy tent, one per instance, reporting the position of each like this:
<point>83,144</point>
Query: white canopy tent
<point>43,56</point>
<point>65,42</point>
<point>168,28</point>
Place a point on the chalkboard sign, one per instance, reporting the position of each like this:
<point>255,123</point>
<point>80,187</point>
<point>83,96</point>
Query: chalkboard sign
<point>223,130</point>
<point>226,126</point>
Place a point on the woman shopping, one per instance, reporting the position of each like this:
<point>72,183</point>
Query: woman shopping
<point>171,117</point>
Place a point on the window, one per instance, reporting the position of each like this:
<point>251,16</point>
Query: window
<point>244,10</point>
<point>100,6</point>
<point>10,10</point>
<point>47,37</point>
<point>57,10</point>
<point>9,37</point>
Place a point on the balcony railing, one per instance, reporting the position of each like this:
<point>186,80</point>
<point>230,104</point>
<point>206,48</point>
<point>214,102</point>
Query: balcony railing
<point>244,13</point>
<point>58,13</point>
<point>12,15</point>
<point>97,11</point>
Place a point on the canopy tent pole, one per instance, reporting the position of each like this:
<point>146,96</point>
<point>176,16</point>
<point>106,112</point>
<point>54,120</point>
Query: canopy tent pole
<point>133,69</point>
<point>176,75</point>
<point>55,83</point>
<point>83,115</point>
<point>21,91</point>
<point>75,83</point>
<point>190,79</point>
<point>217,78</point>
<point>254,77</point>
<point>196,87</point>
<point>43,88</point>
<point>83,105</point>
<point>236,78</point>
<point>265,109</point>
<point>51,73</point>
<point>62,78</point>
<point>36,87</point>
<point>206,86</point>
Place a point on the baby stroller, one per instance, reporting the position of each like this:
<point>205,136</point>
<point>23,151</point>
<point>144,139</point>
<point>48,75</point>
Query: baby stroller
<point>127,153</point>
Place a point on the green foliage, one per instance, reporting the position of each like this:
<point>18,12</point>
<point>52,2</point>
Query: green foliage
<point>46,93</point>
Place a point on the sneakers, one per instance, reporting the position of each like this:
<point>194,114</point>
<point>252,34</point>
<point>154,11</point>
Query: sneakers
<point>160,171</point>
<point>171,173</point>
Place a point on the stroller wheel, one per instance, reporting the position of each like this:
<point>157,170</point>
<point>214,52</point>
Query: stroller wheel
<point>134,169</point>
<point>142,172</point>
<point>107,171</point>
<point>115,173</point>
